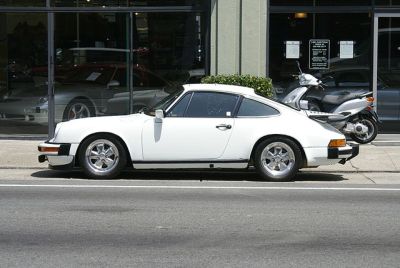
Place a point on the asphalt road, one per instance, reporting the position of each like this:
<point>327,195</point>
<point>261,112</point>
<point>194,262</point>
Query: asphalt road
<point>164,223</point>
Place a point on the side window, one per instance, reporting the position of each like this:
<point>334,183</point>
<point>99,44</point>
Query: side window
<point>211,104</point>
<point>179,109</point>
<point>254,108</point>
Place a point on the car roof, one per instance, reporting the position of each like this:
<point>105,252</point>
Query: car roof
<point>220,88</point>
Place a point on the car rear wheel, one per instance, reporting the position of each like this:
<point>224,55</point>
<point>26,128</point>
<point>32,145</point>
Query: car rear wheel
<point>277,159</point>
<point>102,157</point>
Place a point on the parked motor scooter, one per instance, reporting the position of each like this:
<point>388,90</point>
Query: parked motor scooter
<point>352,114</point>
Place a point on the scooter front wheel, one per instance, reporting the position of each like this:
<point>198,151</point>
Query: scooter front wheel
<point>370,135</point>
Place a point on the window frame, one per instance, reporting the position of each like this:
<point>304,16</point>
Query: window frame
<point>175,103</point>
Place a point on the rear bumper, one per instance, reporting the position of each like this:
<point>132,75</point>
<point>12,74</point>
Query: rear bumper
<point>344,153</point>
<point>57,154</point>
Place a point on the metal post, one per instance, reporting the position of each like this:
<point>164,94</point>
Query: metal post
<point>50,74</point>
<point>375,60</point>
<point>130,63</point>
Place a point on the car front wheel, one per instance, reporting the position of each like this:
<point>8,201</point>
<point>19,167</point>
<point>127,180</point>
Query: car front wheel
<point>102,157</point>
<point>277,159</point>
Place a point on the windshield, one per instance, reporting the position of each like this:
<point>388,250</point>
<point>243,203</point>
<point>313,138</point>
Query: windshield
<point>164,103</point>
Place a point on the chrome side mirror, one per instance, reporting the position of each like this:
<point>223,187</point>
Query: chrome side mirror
<point>159,115</point>
<point>304,104</point>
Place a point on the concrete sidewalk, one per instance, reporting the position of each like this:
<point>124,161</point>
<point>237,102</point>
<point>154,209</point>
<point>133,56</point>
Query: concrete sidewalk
<point>381,156</point>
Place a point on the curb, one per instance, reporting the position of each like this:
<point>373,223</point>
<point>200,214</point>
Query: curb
<point>24,138</point>
<point>386,143</point>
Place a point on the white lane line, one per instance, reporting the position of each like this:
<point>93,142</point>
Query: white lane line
<point>200,187</point>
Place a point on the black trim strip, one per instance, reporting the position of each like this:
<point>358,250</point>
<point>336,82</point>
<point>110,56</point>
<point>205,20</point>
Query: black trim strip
<point>64,149</point>
<point>333,153</point>
<point>192,162</point>
<point>321,9</point>
<point>103,10</point>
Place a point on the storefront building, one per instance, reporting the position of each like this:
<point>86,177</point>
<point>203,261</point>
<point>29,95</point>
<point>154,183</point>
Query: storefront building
<point>61,60</point>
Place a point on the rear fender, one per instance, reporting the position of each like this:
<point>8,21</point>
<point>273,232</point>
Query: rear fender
<point>352,107</point>
<point>370,114</point>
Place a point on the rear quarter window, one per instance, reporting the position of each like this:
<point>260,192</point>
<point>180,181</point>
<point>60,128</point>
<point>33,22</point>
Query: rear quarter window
<point>252,108</point>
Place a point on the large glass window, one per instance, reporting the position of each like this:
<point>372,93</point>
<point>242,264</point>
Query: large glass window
<point>95,67</point>
<point>23,71</point>
<point>23,3</point>
<point>387,2</point>
<point>105,64</point>
<point>92,63</point>
<point>388,90</point>
<point>322,43</point>
<point>322,2</point>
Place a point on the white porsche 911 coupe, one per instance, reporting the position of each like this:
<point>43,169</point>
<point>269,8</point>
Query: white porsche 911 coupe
<point>201,126</point>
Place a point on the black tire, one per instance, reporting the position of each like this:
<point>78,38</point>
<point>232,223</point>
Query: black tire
<point>78,108</point>
<point>372,131</point>
<point>270,167</point>
<point>98,160</point>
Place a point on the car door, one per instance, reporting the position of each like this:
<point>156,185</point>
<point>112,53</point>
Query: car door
<point>197,128</point>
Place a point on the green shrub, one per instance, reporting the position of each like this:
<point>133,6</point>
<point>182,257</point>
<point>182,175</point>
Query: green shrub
<point>261,85</point>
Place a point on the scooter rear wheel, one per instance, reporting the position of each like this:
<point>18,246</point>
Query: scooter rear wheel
<point>370,135</point>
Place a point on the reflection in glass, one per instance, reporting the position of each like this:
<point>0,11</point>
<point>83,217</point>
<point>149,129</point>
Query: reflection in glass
<point>322,2</point>
<point>23,71</point>
<point>94,69</point>
<point>23,3</point>
<point>97,71</point>
<point>388,91</point>
<point>285,27</point>
<point>123,3</point>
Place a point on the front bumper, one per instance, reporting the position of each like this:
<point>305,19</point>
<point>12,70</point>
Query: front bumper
<point>344,153</point>
<point>57,154</point>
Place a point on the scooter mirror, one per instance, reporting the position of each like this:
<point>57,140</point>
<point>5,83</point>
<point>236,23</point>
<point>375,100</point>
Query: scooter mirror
<point>298,66</point>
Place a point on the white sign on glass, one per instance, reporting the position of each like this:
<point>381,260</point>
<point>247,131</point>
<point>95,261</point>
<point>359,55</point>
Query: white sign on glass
<point>292,49</point>
<point>93,76</point>
<point>346,49</point>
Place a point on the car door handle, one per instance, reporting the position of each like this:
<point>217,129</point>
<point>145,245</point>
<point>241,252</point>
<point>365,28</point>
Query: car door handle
<point>223,126</point>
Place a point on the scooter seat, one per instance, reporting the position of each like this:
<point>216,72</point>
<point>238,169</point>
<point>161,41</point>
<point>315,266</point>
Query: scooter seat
<point>338,98</point>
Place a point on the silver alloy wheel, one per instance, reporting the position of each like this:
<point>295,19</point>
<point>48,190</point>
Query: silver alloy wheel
<point>78,110</point>
<point>368,135</point>
<point>102,156</point>
<point>278,159</point>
